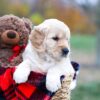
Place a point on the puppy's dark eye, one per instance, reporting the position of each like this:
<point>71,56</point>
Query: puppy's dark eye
<point>55,38</point>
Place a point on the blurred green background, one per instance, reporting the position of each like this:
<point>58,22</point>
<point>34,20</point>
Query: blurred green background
<point>83,19</point>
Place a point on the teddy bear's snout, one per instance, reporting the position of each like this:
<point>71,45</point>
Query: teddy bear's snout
<point>10,37</point>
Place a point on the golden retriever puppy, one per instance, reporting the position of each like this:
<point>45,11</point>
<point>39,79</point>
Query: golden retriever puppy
<point>48,52</point>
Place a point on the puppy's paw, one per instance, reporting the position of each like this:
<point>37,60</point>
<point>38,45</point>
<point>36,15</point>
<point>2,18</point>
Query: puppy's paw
<point>70,70</point>
<point>53,84</point>
<point>20,77</point>
<point>73,84</point>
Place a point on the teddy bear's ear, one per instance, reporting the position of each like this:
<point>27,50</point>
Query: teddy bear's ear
<point>28,24</point>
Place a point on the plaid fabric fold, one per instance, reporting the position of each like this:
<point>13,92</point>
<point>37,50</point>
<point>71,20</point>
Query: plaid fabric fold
<point>33,89</point>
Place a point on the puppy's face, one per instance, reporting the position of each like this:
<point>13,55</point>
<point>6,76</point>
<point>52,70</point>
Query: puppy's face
<point>52,37</point>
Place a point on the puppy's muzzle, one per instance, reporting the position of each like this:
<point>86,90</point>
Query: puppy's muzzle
<point>65,51</point>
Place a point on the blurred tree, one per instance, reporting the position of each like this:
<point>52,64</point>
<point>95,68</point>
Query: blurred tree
<point>93,11</point>
<point>98,32</point>
<point>67,11</point>
<point>39,6</point>
<point>3,7</point>
<point>36,18</point>
<point>19,9</point>
<point>16,7</point>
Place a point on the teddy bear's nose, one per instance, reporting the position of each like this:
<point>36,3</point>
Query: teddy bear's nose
<point>11,35</point>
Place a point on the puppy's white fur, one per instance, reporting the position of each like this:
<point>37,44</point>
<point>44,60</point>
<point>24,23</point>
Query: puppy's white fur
<point>47,60</point>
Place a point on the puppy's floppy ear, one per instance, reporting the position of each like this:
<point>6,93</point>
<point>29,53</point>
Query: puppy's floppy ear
<point>37,37</point>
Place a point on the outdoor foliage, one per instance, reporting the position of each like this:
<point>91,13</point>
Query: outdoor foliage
<point>19,9</point>
<point>72,14</point>
<point>87,91</point>
<point>84,43</point>
<point>36,18</point>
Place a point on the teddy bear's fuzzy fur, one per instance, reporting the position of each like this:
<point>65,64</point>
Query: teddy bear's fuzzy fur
<point>23,27</point>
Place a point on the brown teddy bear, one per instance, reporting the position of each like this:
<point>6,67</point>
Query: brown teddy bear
<point>14,33</point>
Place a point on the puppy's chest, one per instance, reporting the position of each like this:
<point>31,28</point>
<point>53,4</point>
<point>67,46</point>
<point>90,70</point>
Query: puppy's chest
<point>47,65</point>
<point>43,67</point>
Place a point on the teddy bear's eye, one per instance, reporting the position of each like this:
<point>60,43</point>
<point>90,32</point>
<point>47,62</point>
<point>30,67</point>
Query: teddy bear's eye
<point>55,38</point>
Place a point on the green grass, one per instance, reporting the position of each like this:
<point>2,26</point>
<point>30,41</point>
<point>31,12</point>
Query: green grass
<point>88,91</point>
<point>85,43</point>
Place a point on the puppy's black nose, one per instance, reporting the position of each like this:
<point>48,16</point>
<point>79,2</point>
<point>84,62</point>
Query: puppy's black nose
<point>11,35</point>
<point>65,51</point>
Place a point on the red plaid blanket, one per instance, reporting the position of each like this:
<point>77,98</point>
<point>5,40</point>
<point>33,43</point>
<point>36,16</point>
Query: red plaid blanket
<point>33,89</point>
